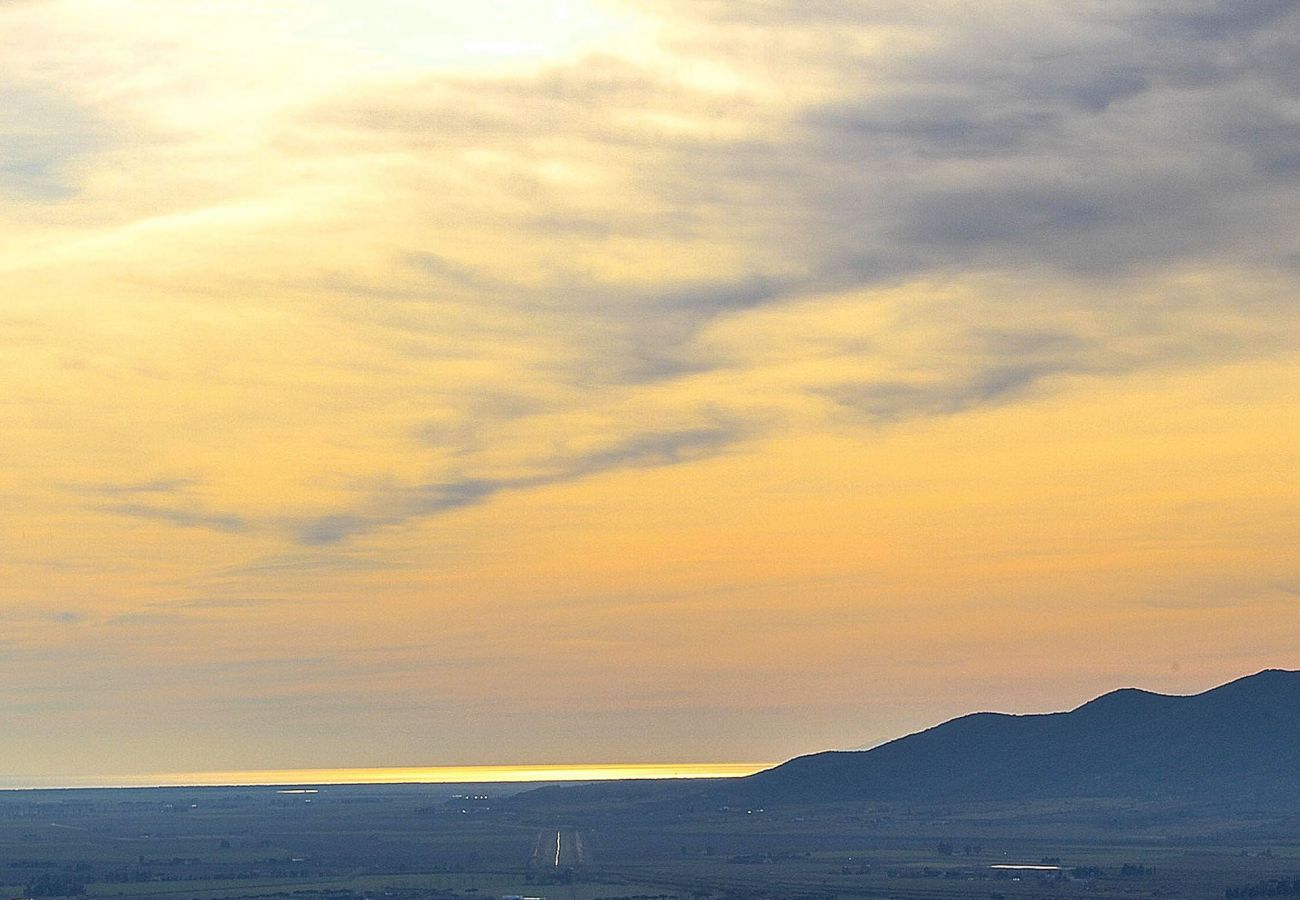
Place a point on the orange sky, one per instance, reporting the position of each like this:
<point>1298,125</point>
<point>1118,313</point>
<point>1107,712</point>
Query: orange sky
<point>418,384</point>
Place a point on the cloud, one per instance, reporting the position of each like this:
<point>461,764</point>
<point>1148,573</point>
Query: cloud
<point>894,401</point>
<point>1097,163</point>
<point>970,368</point>
<point>647,335</point>
<point>1212,20</point>
<point>1096,153</point>
<point>42,136</point>
<point>152,486</point>
<point>653,449</point>
<point>457,274</point>
<point>183,517</point>
<point>931,127</point>
<point>1066,138</point>
<point>289,565</point>
<point>139,500</point>
<point>1080,142</point>
<point>149,619</point>
<point>544,253</point>
<point>218,603</point>
<point>637,451</point>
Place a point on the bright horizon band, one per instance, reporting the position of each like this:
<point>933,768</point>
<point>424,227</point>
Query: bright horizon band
<point>397,775</point>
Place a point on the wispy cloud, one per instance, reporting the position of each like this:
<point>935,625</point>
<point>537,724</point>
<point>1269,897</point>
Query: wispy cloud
<point>219,603</point>
<point>893,401</point>
<point>1008,146</point>
<point>401,505</point>
<point>42,136</point>
<point>292,564</point>
<point>182,517</point>
<point>152,486</point>
<point>169,500</point>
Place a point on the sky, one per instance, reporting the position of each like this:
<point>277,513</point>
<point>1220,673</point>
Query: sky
<point>402,383</point>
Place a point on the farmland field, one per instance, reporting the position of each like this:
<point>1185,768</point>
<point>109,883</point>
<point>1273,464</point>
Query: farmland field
<point>431,842</point>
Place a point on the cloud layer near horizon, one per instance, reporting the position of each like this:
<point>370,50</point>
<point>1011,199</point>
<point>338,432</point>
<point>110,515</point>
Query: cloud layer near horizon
<point>622,366</point>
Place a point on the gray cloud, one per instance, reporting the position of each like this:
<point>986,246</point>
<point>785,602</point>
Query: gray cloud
<point>217,603</point>
<point>1082,138</point>
<point>1085,139</point>
<point>183,517</point>
<point>418,502</point>
<point>647,335</point>
<point>335,561</point>
<point>148,618</point>
<point>1212,20</point>
<point>638,451</point>
<point>159,500</point>
<point>41,136</point>
<point>1099,161</point>
<point>929,127</point>
<point>895,401</point>
<point>1085,146</point>
<point>445,270</point>
<point>153,486</point>
<point>653,449</point>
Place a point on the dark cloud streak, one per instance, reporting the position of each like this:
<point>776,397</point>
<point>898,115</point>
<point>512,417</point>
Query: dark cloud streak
<point>182,517</point>
<point>638,451</point>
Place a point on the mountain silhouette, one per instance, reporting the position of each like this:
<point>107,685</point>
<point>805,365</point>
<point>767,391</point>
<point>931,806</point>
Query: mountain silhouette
<point>1239,741</point>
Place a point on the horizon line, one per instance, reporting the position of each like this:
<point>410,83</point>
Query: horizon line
<point>488,774</point>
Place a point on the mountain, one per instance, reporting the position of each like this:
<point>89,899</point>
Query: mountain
<point>1239,741</point>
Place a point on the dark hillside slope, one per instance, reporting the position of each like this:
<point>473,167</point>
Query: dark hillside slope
<point>1240,741</point>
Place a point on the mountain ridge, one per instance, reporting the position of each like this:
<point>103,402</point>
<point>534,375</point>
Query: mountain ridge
<point>1238,740</point>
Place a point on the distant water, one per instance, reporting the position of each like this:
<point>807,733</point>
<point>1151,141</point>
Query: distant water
<point>425,775</point>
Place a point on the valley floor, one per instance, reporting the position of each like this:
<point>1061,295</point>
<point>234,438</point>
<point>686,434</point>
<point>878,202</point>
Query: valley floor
<point>426,843</point>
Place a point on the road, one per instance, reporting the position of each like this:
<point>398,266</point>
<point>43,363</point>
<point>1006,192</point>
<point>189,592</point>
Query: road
<point>559,848</point>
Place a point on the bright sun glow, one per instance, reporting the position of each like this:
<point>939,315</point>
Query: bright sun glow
<point>396,35</point>
<point>425,775</point>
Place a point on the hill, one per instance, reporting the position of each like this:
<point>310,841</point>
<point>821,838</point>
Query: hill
<point>1236,742</point>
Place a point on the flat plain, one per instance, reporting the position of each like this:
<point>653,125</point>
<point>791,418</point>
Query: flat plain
<point>441,842</point>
